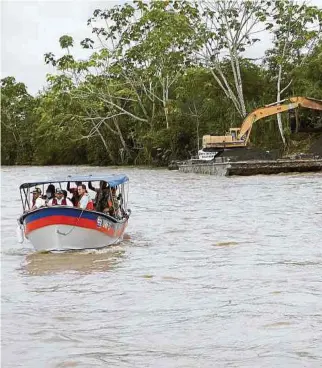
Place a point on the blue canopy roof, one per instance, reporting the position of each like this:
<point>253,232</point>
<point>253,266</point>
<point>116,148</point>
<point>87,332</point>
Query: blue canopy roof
<point>112,180</point>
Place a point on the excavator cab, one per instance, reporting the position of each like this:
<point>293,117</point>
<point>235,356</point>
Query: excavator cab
<point>234,132</point>
<point>229,140</point>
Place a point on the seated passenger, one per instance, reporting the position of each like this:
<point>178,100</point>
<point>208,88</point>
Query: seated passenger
<point>85,201</point>
<point>74,192</point>
<point>50,193</point>
<point>102,194</point>
<point>59,199</point>
<point>37,201</point>
<point>113,207</point>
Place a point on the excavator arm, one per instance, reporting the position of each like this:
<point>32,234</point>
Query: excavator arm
<point>273,109</point>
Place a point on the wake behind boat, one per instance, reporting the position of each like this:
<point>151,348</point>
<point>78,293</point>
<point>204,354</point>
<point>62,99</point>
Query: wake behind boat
<point>57,224</point>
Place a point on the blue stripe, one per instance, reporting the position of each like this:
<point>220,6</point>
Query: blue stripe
<point>58,211</point>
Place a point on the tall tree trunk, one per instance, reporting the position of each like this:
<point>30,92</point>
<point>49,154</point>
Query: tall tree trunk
<point>124,145</point>
<point>165,95</point>
<point>239,87</point>
<point>103,141</point>
<point>279,118</point>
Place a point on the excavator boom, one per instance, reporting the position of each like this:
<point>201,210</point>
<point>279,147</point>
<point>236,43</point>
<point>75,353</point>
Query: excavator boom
<point>294,102</point>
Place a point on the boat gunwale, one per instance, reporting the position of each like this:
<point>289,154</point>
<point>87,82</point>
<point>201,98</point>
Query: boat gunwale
<point>102,214</point>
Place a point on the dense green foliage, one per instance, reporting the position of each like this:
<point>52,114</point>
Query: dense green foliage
<point>162,74</point>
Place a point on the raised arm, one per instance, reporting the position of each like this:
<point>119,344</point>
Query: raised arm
<point>68,187</point>
<point>90,186</point>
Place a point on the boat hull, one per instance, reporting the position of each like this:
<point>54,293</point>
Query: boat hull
<point>67,228</point>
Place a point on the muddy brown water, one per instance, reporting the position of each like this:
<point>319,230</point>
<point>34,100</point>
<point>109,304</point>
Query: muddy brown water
<point>214,272</point>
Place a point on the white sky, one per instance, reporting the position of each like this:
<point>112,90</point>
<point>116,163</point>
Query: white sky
<point>29,29</point>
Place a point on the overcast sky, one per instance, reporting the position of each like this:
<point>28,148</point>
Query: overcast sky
<point>29,29</point>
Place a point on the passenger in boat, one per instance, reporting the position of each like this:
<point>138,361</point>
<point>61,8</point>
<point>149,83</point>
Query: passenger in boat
<point>37,200</point>
<point>102,194</point>
<point>59,199</point>
<point>85,201</point>
<point>113,206</point>
<point>103,199</point>
<point>74,192</point>
<point>65,193</point>
<point>50,193</point>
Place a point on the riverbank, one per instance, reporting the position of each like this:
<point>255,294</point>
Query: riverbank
<point>300,146</point>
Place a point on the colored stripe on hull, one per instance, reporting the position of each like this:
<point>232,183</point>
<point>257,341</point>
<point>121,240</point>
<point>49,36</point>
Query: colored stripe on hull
<point>63,211</point>
<point>72,217</point>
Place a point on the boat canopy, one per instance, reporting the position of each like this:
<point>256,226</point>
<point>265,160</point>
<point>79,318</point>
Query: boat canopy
<point>112,180</point>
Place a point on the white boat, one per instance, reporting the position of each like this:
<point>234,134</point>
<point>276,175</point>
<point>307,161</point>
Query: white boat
<point>66,228</point>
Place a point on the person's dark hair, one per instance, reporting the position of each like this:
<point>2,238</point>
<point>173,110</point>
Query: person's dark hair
<point>65,193</point>
<point>82,185</point>
<point>103,184</point>
<point>51,188</point>
<point>78,183</point>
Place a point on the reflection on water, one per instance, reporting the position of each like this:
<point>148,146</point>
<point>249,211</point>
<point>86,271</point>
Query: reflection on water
<point>83,262</point>
<point>217,272</point>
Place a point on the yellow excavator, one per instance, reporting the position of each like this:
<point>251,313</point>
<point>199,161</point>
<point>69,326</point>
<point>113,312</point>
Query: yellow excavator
<point>239,137</point>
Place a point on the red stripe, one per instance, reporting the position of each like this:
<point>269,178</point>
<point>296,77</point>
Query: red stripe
<point>73,221</point>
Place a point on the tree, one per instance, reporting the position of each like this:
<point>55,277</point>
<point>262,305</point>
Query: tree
<point>296,29</point>
<point>308,77</point>
<point>160,75</point>
<point>91,90</point>
<point>131,76</point>
<point>57,132</point>
<point>17,122</point>
<point>232,27</point>
<point>152,43</point>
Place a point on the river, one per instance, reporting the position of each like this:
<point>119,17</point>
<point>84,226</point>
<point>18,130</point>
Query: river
<point>214,272</point>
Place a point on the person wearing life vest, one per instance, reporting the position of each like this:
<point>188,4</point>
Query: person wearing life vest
<point>60,200</point>
<point>37,201</point>
<point>85,201</point>
<point>113,206</point>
